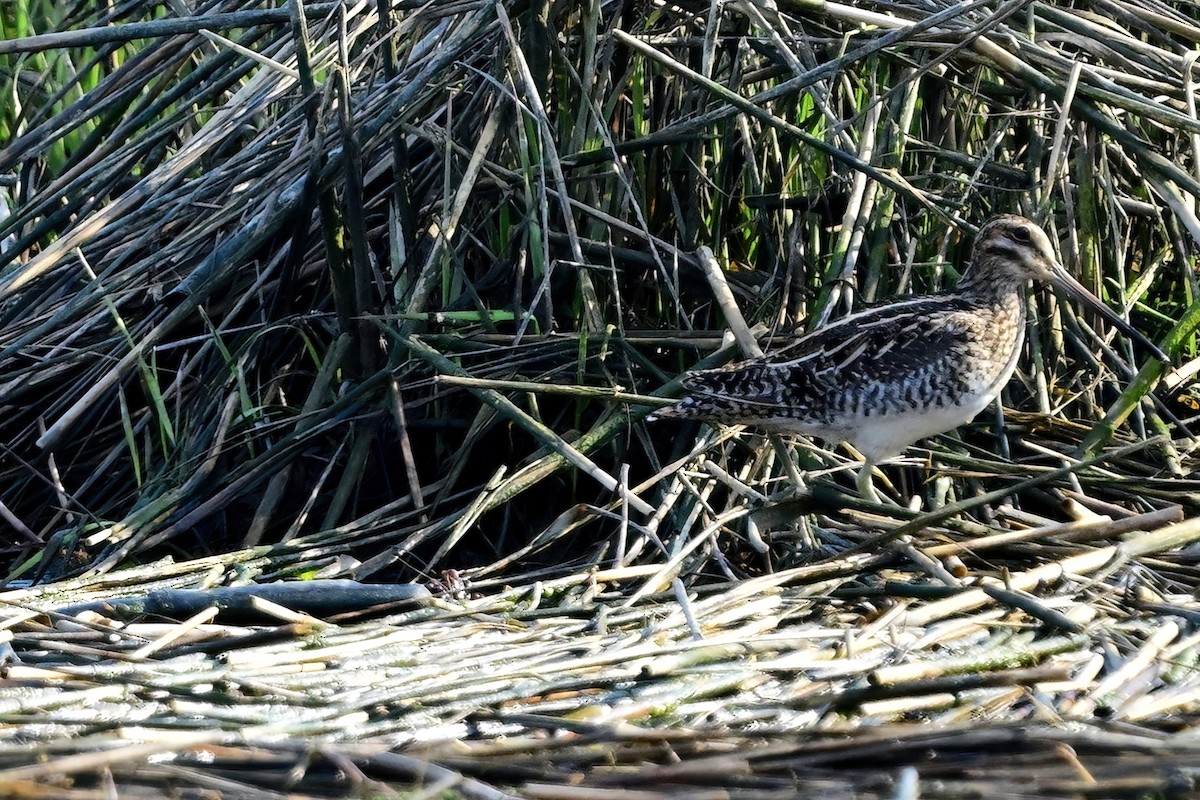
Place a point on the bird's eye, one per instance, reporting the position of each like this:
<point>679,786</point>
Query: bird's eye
<point>1021,234</point>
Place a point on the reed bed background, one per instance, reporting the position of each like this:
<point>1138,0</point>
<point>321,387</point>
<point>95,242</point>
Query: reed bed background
<point>385,291</point>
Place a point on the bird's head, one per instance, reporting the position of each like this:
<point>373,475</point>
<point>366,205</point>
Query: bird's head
<point>1011,249</point>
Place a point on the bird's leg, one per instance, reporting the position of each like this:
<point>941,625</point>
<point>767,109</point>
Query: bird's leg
<point>785,454</point>
<point>866,483</point>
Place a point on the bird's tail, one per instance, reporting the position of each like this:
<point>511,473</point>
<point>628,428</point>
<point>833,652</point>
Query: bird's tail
<point>735,394</point>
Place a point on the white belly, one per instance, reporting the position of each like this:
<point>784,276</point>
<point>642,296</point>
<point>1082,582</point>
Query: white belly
<point>880,436</point>
<point>884,437</point>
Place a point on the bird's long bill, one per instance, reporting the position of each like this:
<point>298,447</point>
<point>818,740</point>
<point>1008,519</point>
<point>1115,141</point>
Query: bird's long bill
<point>1063,280</point>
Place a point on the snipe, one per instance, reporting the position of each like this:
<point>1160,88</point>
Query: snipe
<point>884,378</point>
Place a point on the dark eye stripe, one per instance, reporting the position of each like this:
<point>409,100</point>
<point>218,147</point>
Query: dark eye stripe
<point>1003,247</point>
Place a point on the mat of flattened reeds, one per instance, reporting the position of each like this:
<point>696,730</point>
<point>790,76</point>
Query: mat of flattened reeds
<point>870,675</point>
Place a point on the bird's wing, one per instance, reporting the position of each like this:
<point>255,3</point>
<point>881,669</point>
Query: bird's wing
<point>885,345</point>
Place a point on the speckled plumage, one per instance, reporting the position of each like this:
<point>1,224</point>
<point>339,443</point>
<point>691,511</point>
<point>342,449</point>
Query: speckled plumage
<point>891,375</point>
